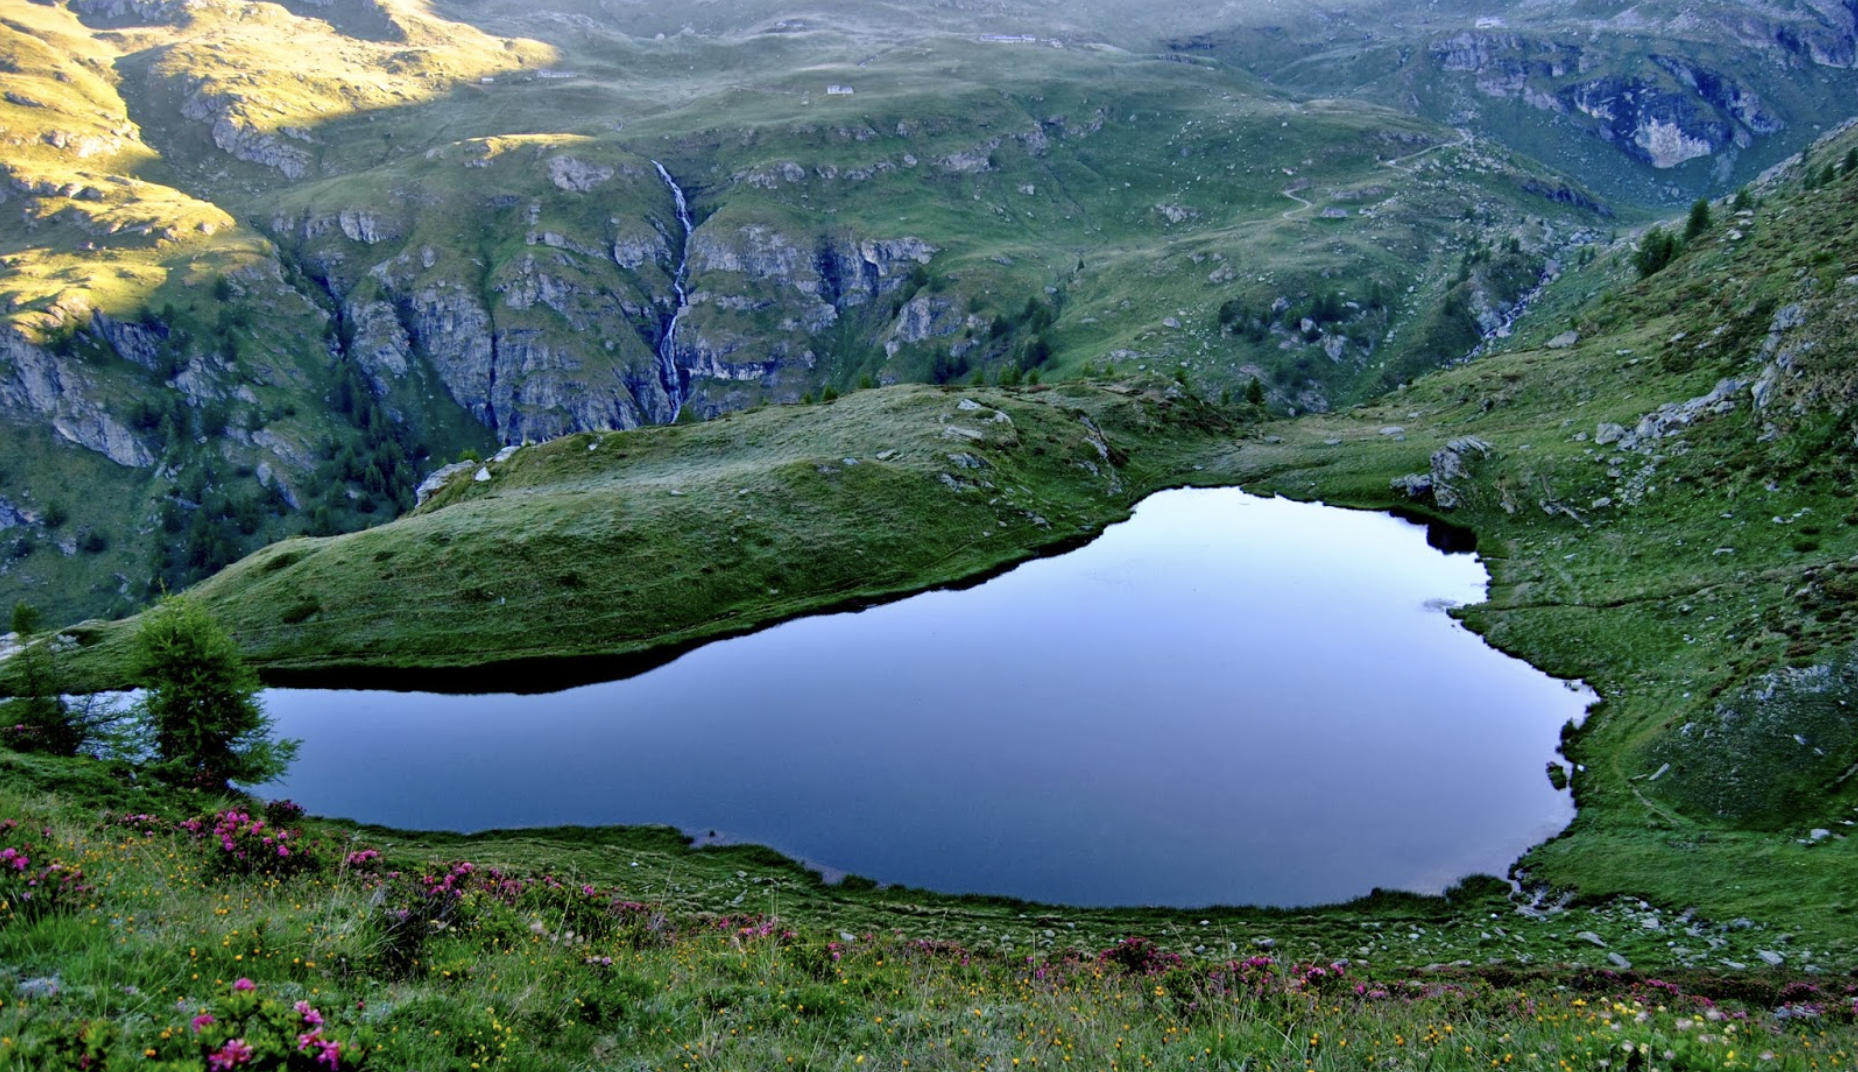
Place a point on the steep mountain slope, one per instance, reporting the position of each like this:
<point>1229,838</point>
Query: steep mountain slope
<point>271,264</point>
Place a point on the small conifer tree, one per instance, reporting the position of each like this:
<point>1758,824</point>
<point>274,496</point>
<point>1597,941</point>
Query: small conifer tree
<point>35,719</point>
<point>201,714</point>
<point>1657,249</point>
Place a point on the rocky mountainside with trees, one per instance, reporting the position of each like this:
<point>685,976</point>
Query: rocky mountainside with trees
<point>265,268</point>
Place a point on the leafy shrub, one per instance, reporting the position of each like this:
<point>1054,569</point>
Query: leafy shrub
<point>71,1045</point>
<point>1139,956</point>
<point>239,844</point>
<point>242,1030</point>
<point>33,884</point>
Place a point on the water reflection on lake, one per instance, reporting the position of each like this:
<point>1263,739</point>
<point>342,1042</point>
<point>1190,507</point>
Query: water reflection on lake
<point>1227,699</point>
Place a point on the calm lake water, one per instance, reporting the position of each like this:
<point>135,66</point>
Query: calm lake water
<point>1225,700</point>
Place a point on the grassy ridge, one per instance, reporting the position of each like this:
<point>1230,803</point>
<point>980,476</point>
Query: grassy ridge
<point>612,544</point>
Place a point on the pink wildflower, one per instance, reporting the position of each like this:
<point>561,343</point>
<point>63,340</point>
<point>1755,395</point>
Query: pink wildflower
<point>234,1053</point>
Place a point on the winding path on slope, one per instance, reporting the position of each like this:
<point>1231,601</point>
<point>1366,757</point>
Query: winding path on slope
<point>1398,163</point>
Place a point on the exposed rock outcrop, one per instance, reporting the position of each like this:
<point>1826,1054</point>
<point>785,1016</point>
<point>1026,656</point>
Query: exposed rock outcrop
<point>577,176</point>
<point>235,134</point>
<point>35,381</point>
<point>122,12</point>
<point>1669,111</point>
<point>1446,482</point>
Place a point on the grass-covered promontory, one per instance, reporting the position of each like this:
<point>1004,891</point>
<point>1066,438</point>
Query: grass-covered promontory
<point>587,549</point>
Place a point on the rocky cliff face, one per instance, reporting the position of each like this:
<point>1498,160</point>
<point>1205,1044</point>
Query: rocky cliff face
<point>1668,111</point>
<point>764,303</point>
<point>1738,85</point>
<point>34,381</point>
<point>557,327</point>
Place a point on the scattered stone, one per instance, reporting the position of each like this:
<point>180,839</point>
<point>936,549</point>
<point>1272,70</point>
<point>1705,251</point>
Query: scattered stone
<point>1589,936</point>
<point>1618,961</point>
<point>1770,957</point>
<point>886,455</point>
<point>1607,432</point>
<point>1265,943</point>
<point>43,986</point>
<point>1451,465</point>
<point>968,405</point>
<point>505,454</point>
<point>482,476</point>
<point>1564,341</point>
<point>969,461</point>
<point>1394,430</point>
<point>437,479</point>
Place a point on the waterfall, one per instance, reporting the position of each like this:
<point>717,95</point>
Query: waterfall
<point>667,346</point>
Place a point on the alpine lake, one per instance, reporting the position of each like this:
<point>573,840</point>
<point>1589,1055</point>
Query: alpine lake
<point>1224,700</point>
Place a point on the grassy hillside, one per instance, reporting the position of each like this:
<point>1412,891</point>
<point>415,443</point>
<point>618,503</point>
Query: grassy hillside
<point>1666,510</point>
<point>1659,471</point>
<point>167,932</point>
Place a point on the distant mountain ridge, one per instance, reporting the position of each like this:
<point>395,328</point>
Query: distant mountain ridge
<point>1695,97</point>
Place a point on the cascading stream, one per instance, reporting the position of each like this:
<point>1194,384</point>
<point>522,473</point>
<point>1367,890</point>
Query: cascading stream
<point>667,347</point>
